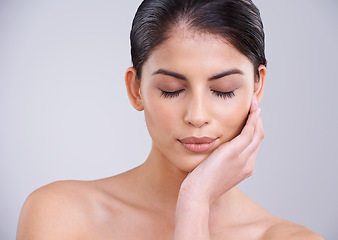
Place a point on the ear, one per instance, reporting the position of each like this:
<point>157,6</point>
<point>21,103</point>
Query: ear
<point>133,86</point>
<point>259,85</point>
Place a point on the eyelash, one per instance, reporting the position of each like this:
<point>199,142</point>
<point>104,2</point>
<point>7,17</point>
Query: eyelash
<point>166,94</point>
<point>223,95</point>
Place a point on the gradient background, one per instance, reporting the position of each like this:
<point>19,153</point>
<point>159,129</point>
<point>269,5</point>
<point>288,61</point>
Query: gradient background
<point>64,111</point>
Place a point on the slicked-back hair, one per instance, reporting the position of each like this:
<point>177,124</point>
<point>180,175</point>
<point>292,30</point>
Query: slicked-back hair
<point>236,21</point>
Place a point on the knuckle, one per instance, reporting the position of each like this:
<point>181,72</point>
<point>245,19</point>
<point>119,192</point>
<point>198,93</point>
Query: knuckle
<point>248,171</point>
<point>249,135</point>
<point>261,135</point>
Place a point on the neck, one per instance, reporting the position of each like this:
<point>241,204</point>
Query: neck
<point>161,179</point>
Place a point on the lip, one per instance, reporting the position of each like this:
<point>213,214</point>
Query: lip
<point>197,144</point>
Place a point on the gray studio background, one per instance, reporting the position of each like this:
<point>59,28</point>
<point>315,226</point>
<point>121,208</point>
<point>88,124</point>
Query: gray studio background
<point>64,112</point>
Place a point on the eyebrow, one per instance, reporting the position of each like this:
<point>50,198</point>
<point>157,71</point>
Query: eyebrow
<point>169,73</point>
<point>227,73</point>
<point>182,77</point>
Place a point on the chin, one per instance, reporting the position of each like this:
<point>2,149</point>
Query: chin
<point>190,163</point>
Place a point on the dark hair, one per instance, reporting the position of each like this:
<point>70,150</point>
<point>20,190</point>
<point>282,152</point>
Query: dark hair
<point>237,21</point>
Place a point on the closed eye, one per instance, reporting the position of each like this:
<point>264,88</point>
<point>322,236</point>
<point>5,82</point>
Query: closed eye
<point>167,94</point>
<point>224,95</point>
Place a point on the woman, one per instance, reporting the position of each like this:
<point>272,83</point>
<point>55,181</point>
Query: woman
<point>198,74</point>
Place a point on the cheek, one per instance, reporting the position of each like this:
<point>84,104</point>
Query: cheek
<point>233,118</point>
<point>160,119</point>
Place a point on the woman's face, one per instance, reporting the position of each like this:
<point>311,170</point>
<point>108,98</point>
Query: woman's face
<point>196,91</point>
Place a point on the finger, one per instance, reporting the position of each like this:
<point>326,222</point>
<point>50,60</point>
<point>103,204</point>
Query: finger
<point>254,104</point>
<point>250,164</point>
<point>239,143</point>
<point>249,155</point>
<point>254,146</point>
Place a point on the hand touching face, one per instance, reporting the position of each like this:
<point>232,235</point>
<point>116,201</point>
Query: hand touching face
<point>229,164</point>
<point>196,92</point>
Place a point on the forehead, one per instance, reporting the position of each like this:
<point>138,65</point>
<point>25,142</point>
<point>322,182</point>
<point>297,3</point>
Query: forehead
<point>201,53</point>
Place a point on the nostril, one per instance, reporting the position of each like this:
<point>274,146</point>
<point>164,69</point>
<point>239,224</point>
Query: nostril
<point>198,124</point>
<point>197,114</point>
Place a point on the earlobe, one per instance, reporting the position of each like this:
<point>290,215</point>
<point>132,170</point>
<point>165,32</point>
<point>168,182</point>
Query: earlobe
<point>259,85</point>
<point>133,86</point>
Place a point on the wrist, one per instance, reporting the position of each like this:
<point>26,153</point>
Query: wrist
<point>192,217</point>
<point>193,195</point>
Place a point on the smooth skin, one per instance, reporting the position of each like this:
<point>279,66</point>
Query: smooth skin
<point>191,85</point>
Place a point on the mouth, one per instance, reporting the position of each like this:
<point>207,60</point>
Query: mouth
<point>198,144</point>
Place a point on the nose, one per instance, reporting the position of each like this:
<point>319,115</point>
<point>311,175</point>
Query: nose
<point>196,112</point>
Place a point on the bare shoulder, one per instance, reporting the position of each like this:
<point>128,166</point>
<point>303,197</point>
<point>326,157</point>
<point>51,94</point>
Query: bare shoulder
<point>56,211</point>
<point>99,209</point>
<point>283,229</point>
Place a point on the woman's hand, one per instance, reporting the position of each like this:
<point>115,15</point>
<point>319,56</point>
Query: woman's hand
<point>230,163</point>
<point>227,166</point>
